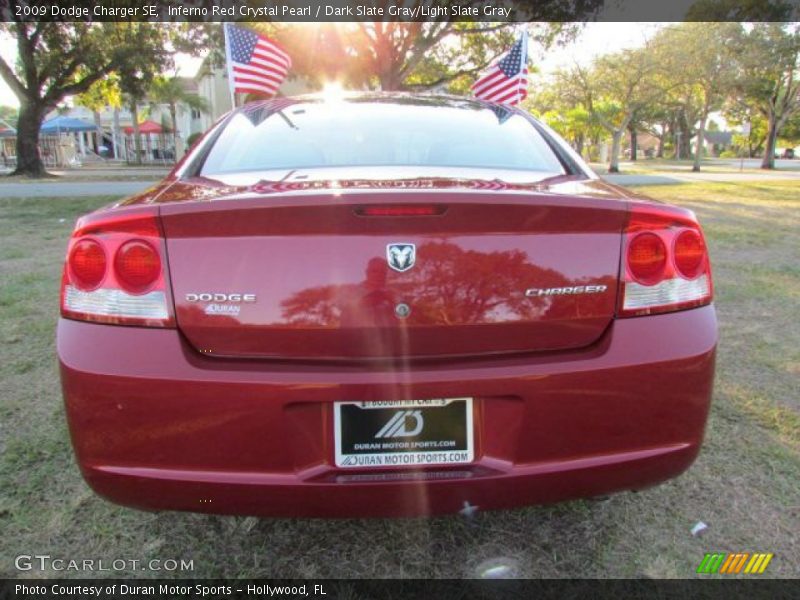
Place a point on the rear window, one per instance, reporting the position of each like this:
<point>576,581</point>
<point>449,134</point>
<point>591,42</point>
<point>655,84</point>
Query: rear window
<point>315,134</point>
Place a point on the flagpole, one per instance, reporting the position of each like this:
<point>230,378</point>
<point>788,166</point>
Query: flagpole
<point>524,60</point>
<point>228,64</point>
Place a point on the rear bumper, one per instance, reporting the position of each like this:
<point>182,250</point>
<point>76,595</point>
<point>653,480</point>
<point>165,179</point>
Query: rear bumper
<point>156,425</point>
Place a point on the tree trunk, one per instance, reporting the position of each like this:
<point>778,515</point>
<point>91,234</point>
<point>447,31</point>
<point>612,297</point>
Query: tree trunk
<point>768,162</point>
<point>698,147</point>
<point>29,124</point>
<point>634,143</point>
<point>119,146</point>
<point>579,141</point>
<point>98,139</point>
<point>662,139</point>
<point>173,115</point>
<point>390,81</point>
<point>684,143</point>
<point>616,142</point>
<point>137,141</point>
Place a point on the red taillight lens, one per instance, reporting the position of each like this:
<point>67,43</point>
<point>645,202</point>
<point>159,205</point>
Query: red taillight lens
<point>87,264</point>
<point>647,258</point>
<point>690,253</point>
<point>136,290</point>
<point>137,266</point>
<point>665,266</point>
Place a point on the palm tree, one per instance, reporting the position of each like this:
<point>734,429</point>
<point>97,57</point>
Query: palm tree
<point>103,93</point>
<point>170,91</point>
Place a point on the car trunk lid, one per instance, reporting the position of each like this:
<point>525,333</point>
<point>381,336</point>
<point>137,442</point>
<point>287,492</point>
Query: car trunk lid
<point>356,275</point>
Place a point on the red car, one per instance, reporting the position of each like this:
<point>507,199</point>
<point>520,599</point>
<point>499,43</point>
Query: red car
<point>383,305</point>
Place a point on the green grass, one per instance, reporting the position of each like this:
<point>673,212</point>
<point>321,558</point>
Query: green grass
<point>744,485</point>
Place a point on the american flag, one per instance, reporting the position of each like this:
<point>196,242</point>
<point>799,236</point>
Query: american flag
<point>256,64</point>
<point>506,82</point>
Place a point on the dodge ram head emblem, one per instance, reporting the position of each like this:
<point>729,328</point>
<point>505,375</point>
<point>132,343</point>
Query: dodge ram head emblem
<point>401,257</point>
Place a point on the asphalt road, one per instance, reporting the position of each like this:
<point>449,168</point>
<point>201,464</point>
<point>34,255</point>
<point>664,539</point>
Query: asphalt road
<point>72,188</point>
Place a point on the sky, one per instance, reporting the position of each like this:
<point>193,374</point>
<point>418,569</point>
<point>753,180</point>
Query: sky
<point>594,40</point>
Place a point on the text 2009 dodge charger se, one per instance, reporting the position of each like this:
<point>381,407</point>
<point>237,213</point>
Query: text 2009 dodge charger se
<point>383,305</point>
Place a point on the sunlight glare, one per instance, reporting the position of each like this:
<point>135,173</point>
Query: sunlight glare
<point>333,91</point>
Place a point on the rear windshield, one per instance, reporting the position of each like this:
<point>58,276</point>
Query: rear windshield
<point>347,133</point>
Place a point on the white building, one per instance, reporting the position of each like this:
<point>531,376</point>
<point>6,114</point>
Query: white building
<point>209,83</point>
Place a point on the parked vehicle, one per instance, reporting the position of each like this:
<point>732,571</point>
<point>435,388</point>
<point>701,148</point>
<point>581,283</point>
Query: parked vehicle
<point>383,305</point>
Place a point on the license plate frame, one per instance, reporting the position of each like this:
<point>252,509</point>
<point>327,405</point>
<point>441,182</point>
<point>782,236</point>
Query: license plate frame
<point>403,433</point>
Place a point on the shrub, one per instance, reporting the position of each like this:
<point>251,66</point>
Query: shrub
<point>193,138</point>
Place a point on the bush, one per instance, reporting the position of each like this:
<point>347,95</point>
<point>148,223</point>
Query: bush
<point>193,138</point>
<point>729,154</point>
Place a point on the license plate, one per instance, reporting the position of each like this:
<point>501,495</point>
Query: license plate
<point>406,433</point>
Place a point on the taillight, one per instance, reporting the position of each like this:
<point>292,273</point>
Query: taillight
<point>690,253</point>
<point>116,272</point>
<point>665,262</point>
<point>87,264</point>
<point>137,266</point>
<point>647,257</point>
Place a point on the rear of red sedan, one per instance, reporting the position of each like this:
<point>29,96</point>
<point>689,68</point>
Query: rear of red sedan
<point>383,305</point>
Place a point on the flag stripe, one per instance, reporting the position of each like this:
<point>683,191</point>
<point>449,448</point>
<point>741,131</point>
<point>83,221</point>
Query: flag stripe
<point>271,85</point>
<point>254,89</point>
<point>500,89</point>
<point>512,95</point>
<point>489,84</point>
<point>246,76</point>
<point>519,84</point>
<point>486,79</point>
<point>271,56</point>
<point>267,44</point>
<point>269,71</point>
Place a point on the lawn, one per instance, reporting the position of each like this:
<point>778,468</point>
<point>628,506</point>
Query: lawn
<point>745,485</point>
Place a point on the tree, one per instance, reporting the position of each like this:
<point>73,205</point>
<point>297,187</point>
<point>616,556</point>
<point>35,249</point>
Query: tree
<point>391,55</point>
<point>415,55</point>
<point>738,114</point>
<point>656,119</point>
<point>698,60</point>
<point>8,114</point>
<point>400,56</point>
<point>170,91</point>
<point>739,10</point>
<point>101,94</point>
<point>571,121</point>
<point>573,124</point>
<point>612,90</point>
<point>136,74</point>
<point>60,59</point>
<point>790,133</point>
<point>768,62</point>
